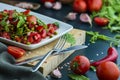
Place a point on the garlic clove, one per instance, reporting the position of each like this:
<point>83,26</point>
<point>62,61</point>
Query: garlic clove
<point>71,16</point>
<point>48,4</point>
<point>56,73</point>
<point>84,17</point>
<point>57,6</point>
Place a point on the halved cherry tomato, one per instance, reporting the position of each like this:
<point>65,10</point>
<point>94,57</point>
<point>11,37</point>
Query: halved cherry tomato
<point>51,30</point>
<point>34,37</point>
<point>108,71</point>
<point>80,64</point>
<point>6,35</point>
<point>101,21</point>
<point>16,52</point>
<point>52,25</point>
<point>26,12</point>
<point>39,28</point>
<point>43,33</point>
<point>32,19</point>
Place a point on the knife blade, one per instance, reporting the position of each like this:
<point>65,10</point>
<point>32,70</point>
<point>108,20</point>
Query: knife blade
<point>72,48</point>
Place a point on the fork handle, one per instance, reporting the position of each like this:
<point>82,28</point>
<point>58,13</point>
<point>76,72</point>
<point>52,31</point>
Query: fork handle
<point>36,67</point>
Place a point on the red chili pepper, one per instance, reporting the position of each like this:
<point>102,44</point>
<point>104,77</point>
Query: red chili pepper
<point>111,56</point>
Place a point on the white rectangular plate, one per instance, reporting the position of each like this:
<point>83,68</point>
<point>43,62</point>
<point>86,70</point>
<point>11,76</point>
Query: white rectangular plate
<point>63,28</point>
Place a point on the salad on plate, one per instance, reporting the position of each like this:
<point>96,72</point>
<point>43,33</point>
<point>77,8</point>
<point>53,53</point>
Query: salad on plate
<point>25,28</point>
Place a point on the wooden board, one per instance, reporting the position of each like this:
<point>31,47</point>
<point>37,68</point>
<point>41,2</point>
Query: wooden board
<point>53,61</point>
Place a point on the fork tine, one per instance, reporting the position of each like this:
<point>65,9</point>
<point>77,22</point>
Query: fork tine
<point>63,41</point>
<point>58,43</point>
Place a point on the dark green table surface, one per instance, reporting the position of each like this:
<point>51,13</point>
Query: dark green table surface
<point>91,52</point>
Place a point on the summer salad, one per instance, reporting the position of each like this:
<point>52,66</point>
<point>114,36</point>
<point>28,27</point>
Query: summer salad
<point>25,28</point>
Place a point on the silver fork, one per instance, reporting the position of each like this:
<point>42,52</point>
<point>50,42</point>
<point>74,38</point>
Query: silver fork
<point>60,44</point>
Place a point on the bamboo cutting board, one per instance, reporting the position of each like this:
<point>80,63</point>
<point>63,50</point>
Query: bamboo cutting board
<point>53,61</point>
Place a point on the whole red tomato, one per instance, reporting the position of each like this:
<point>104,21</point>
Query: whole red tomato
<point>94,5</point>
<point>80,64</point>
<point>16,51</point>
<point>79,6</point>
<point>101,21</point>
<point>108,71</point>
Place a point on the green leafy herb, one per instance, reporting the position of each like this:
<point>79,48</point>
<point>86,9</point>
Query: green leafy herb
<point>70,38</point>
<point>4,24</point>
<point>78,77</point>
<point>20,31</point>
<point>56,23</point>
<point>20,22</point>
<point>42,23</point>
<point>95,36</point>
<point>110,10</point>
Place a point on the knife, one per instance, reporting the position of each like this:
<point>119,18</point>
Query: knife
<point>72,48</point>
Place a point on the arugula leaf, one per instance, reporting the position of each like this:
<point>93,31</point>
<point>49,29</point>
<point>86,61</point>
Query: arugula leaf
<point>21,21</point>
<point>78,77</point>
<point>95,36</point>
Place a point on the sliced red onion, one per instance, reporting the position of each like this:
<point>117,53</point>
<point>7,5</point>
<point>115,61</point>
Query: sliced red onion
<point>57,6</point>
<point>56,73</point>
<point>84,17</point>
<point>71,16</point>
<point>48,4</point>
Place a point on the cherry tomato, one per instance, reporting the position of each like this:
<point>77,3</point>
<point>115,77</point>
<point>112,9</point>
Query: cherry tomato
<point>39,28</point>
<point>11,14</point>
<point>108,71</point>
<point>51,30</point>
<point>34,37</point>
<point>32,19</point>
<point>6,35</point>
<point>80,64</point>
<point>26,12</point>
<point>79,6</point>
<point>52,25</point>
<point>94,5</point>
<point>101,21</point>
<point>16,51</point>
<point>43,33</point>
